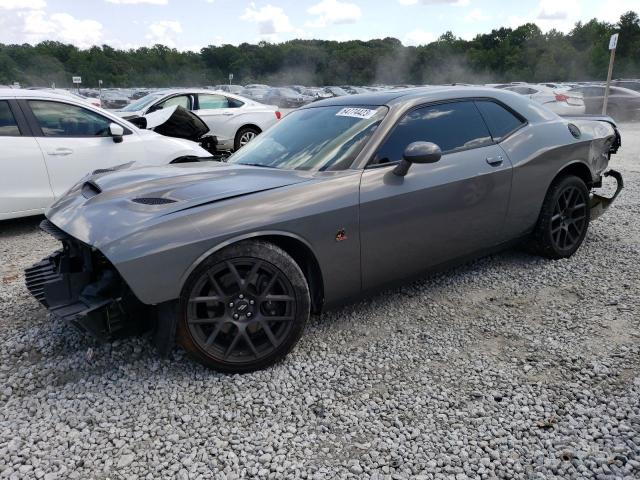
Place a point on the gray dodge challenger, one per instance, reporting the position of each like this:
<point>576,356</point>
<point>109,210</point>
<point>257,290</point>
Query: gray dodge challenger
<point>340,198</point>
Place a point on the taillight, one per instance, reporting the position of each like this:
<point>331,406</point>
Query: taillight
<point>561,97</point>
<point>278,115</point>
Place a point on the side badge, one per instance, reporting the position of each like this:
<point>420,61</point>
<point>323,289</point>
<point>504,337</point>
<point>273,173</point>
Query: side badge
<point>341,235</point>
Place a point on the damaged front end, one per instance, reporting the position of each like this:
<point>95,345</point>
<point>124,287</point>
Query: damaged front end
<point>78,284</point>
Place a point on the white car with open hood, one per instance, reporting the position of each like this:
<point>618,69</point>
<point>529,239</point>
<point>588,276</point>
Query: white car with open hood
<point>232,119</point>
<point>48,142</point>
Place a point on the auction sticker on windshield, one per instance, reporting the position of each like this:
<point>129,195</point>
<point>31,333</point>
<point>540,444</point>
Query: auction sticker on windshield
<point>356,112</point>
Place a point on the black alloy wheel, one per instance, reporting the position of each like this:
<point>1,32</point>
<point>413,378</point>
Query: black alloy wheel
<point>564,219</point>
<point>242,313</point>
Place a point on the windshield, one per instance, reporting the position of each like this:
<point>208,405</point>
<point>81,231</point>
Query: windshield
<point>142,103</point>
<point>320,138</point>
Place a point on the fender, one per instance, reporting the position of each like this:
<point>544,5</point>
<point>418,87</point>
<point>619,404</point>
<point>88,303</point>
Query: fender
<point>239,238</point>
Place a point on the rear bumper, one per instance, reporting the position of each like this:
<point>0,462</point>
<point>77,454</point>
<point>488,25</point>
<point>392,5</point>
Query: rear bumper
<point>80,286</point>
<point>599,204</point>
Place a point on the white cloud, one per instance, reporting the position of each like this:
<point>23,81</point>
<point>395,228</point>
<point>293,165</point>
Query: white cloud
<point>551,14</point>
<point>22,5</point>
<point>418,37</point>
<point>36,26</point>
<point>476,15</point>
<point>136,2</point>
<point>164,32</point>
<point>271,21</point>
<point>333,12</point>
<point>611,11</point>
<point>455,3</point>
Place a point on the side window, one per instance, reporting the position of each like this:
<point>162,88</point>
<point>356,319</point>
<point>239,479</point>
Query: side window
<point>182,100</point>
<point>8,125</point>
<point>451,126</point>
<point>63,120</point>
<point>211,102</point>
<point>501,122</point>
<point>234,103</point>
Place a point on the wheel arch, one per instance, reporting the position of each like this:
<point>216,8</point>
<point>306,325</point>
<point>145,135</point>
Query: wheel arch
<point>577,168</point>
<point>248,125</point>
<point>297,247</point>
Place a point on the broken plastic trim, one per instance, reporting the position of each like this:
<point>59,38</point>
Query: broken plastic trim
<point>600,204</point>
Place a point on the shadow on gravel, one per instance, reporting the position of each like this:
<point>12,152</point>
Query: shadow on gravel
<point>19,226</point>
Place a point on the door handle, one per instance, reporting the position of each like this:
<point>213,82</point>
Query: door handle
<point>495,161</point>
<point>227,114</point>
<point>61,152</point>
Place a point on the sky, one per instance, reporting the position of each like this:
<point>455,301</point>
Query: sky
<point>193,24</point>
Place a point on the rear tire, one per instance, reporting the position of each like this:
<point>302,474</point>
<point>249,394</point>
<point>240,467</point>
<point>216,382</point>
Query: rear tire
<point>564,219</point>
<point>244,136</point>
<point>244,308</point>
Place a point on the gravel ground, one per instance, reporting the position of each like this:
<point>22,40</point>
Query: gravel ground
<point>509,367</point>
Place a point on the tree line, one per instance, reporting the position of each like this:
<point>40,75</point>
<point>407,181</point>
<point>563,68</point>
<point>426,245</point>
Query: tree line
<point>524,53</point>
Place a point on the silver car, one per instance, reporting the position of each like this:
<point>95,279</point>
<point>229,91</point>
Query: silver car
<point>341,198</point>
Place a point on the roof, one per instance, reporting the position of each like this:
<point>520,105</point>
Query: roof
<point>389,97</point>
<point>26,93</point>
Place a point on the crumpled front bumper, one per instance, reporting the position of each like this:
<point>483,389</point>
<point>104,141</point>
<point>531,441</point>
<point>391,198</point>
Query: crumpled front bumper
<point>80,286</point>
<point>599,204</point>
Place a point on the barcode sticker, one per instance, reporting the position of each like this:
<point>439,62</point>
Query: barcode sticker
<point>356,112</point>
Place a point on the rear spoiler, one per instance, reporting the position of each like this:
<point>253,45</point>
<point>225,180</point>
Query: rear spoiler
<point>601,118</point>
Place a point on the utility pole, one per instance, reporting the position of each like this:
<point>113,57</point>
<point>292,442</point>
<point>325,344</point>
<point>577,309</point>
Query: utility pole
<point>613,43</point>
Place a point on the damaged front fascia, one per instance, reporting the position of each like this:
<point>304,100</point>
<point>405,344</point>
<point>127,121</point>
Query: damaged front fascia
<point>600,204</point>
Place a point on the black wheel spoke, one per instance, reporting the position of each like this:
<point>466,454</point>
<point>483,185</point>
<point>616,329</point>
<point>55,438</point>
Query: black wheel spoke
<point>203,321</point>
<point>247,339</point>
<point>236,276</point>
<point>270,285</point>
<point>214,283</point>
<point>212,337</point>
<point>278,298</point>
<point>233,343</point>
<point>269,333</point>
<point>211,298</point>
<point>252,273</point>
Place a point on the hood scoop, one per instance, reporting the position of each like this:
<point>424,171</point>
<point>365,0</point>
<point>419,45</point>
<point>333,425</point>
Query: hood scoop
<point>153,200</point>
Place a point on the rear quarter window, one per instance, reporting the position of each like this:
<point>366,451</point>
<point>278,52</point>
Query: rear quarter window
<point>8,125</point>
<point>501,121</point>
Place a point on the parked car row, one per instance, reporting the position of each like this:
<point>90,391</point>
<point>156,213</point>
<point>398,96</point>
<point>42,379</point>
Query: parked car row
<point>234,120</point>
<point>584,97</point>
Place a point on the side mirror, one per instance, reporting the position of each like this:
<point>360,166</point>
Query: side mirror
<point>417,152</point>
<point>116,131</point>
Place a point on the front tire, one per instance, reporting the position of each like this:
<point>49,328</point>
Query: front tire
<point>564,219</point>
<point>244,308</point>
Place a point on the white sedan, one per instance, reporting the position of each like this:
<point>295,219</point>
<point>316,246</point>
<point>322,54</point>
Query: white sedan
<point>233,119</point>
<point>48,142</point>
<point>559,100</point>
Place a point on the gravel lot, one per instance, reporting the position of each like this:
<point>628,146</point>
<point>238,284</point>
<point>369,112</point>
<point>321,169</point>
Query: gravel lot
<point>509,367</point>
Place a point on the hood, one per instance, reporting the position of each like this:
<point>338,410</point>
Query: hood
<point>107,206</point>
<point>175,121</point>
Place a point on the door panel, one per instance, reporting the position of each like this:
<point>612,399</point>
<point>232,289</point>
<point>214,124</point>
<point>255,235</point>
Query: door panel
<point>219,113</point>
<point>24,183</point>
<point>70,159</point>
<point>75,141</point>
<point>437,212</point>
